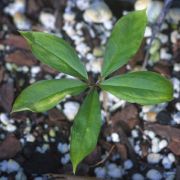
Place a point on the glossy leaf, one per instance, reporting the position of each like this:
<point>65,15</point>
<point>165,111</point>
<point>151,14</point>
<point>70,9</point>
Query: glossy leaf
<point>44,95</point>
<point>140,87</point>
<point>124,41</point>
<point>56,53</point>
<point>86,128</point>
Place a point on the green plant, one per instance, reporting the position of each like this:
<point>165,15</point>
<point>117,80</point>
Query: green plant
<point>137,87</point>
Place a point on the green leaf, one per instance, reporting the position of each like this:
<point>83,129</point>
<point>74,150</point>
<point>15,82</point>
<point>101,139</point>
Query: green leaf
<point>85,130</point>
<point>140,87</point>
<point>124,41</point>
<point>56,53</point>
<point>45,94</point>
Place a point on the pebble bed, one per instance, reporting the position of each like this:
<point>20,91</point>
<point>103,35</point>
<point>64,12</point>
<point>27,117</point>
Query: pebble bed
<point>87,26</point>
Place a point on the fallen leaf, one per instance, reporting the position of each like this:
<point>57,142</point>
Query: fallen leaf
<point>9,147</point>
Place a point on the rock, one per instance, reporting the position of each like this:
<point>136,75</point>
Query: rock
<point>153,174</point>
<point>153,158</point>
<point>30,138</point>
<point>164,117</point>
<point>154,8</point>
<point>114,171</point>
<point>134,133</point>
<point>137,176</point>
<point>9,166</point>
<point>65,159</point>
<point>115,137</point>
<point>100,172</point>
<point>170,133</point>
<point>70,109</point>
<point>47,20</point>
<point>176,117</point>
<point>166,163</point>
<point>162,144</point>
<point>150,116</point>
<point>155,46</point>
<point>174,15</point>
<point>21,22</point>
<point>9,147</point>
<point>63,148</point>
<point>171,157</point>
<point>10,127</point>
<point>128,164</point>
<point>98,12</point>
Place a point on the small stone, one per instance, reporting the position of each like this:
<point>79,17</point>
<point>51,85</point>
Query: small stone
<point>155,145</point>
<point>115,137</point>
<point>155,46</point>
<point>20,176</point>
<point>69,16</point>
<point>174,15</point>
<point>163,38</point>
<point>108,25</point>
<point>100,172</point>
<point>98,52</point>
<point>148,32</point>
<point>63,148</point>
<point>9,166</point>
<point>52,133</point>
<point>137,176</point>
<point>164,54</point>
<point>150,116</point>
<point>114,171</point>
<point>10,128</point>
<point>30,138</point>
<point>171,157</point>
<point>176,117</point>
<point>134,133</point>
<point>82,4</point>
<point>70,109</point>
<point>128,164</point>
<point>177,106</point>
<point>153,174</point>
<point>174,37</point>
<point>21,21</point>
<point>176,67</point>
<point>166,163</point>
<point>65,159</point>
<point>153,158</point>
<point>162,144</point>
<point>151,134</point>
<point>35,70</point>
<point>4,119</point>
<point>47,20</point>
<point>98,12</point>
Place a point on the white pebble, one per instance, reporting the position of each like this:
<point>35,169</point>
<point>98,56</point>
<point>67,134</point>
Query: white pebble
<point>35,70</point>
<point>71,109</point>
<point>11,128</point>
<point>115,137</point>
<point>153,158</point>
<point>166,163</point>
<point>65,159</point>
<point>30,138</point>
<point>171,157</point>
<point>134,133</point>
<point>153,174</point>
<point>176,117</point>
<point>137,176</point>
<point>162,144</point>
<point>100,172</point>
<point>63,148</point>
<point>128,164</point>
<point>9,166</point>
<point>4,119</point>
<point>114,171</point>
<point>47,20</point>
<point>151,134</point>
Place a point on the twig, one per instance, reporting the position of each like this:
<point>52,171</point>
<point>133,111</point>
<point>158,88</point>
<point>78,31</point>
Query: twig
<point>105,159</point>
<point>156,29</point>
